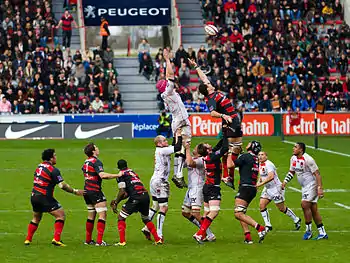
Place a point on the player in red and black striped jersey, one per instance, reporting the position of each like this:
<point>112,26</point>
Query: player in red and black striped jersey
<point>46,177</point>
<point>211,188</point>
<point>221,107</point>
<point>94,198</point>
<point>248,165</point>
<point>130,186</point>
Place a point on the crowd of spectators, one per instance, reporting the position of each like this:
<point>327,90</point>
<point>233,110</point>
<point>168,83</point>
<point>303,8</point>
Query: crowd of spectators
<point>270,56</point>
<point>37,76</point>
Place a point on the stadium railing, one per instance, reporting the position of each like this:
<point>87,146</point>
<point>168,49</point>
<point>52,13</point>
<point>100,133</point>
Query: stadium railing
<point>175,28</point>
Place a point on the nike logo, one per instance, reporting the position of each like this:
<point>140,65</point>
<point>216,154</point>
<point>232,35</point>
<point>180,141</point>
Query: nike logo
<point>79,134</point>
<point>10,134</point>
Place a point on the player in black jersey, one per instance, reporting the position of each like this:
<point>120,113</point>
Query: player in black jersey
<point>221,107</point>
<point>46,177</point>
<point>130,186</point>
<point>94,198</point>
<point>248,165</point>
<point>211,188</point>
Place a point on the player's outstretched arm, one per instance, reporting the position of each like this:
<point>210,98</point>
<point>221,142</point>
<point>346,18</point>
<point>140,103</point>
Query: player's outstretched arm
<point>121,196</point>
<point>223,150</point>
<point>105,175</point>
<point>216,114</point>
<point>169,69</point>
<point>189,159</point>
<point>66,187</point>
<point>269,178</point>
<point>200,73</point>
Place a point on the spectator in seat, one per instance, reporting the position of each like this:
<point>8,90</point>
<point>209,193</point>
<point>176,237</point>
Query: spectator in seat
<point>144,48</point>
<point>164,121</point>
<point>343,65</point>
<point>97,105</point>
<point>42,98</point>
<point>184,75</point>
<point>160,66</point>
<point>327,11</point>
<point>189,105</point>
<point>119,109</point>
<point>308,103</point>
<point>115,100</point>
<point>258,70</point>
<point>5,106</point>
<point>297,104</point>
<point>200,106</point>
<point>84,106</point>
<point>66,106</point>
<point>146,66</point>
<point>53,99</point>
<point>265,104</point>
<point>251,105</point>
<point>108,56</point>
<point>180,55</point>
<point>17,108</point>
<point>110,69</point>
<point>343,104</point>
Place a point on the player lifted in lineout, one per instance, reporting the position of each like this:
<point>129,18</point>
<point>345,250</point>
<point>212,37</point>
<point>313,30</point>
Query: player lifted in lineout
<point>309,178</point>
<point>272,192</point>
<point>95,200</point>
<point>193,201</point>
<point>174,104</point>
<point>46,177</point>
<point>160,188</point>
<point>221,107</point>
<point>131,187</point>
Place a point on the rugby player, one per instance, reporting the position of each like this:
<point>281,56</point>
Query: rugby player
<point>46,177</point>
<point>130,186</point>
<point>272,192</point>
<point>193,201</point>
<point>309,178</point>
<point>221,107</point>
<point>160,188</point>
<point>248,165</point>
<point>174,104</point>
<point>211,188</point>
<point>94,198</point>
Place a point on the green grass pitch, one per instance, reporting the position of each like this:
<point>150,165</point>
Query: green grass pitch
<point>282,245</point>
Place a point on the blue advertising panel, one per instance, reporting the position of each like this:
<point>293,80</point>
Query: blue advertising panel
<point>127,13</point>
<point>144,126</point>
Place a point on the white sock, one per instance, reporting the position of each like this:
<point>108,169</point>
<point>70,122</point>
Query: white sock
<point>160,222</point>
<point>151,213</point>
<point>176,164</point>
<point>194,221</point>
<point>181,162</point>
<point>321,229</point>
<point>308,227</point>
<point>209,233</point>
<point>266,217</point>
<point>291,214</point>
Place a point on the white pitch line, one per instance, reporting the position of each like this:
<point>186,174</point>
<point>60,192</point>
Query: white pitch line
<point>294,189</point>
<point>325,190</point>
<point>321,149</point>
<point>342,205</point>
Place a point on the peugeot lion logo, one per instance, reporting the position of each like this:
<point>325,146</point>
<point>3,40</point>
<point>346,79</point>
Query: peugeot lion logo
<point>90,11</point>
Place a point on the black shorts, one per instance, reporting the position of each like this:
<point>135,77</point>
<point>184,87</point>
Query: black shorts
<point>44,204</point>
<point>137,204</point>
<point>93,198</point>
<point>246,193</point>
<point>232,130</point>
<point>211,192</point>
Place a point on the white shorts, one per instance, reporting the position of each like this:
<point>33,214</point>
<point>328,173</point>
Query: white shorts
<point>275,194</point>
<point>194,197</point>
<point>309,193</point>
<point>185,126</point>
<point>160,188</point>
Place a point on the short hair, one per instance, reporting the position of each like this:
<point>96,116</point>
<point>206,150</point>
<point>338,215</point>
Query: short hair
<point>122,164</point>
<point>47,154</point>
<point>203,89</point>
<point>158,138</point>
<point>89,149</point>
<point>302,146</point>
<point>202,150</point>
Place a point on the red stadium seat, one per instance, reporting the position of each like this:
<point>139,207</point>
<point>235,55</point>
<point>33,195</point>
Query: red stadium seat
<point>193,88</point>
<point>332,70</point>
<point>321,79</point>
<point>332,78</point>
<point>81,89</point>
<point>342,78</point>
<point>195,80</point>
<point>193,71</point>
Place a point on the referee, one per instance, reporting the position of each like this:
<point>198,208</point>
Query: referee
<point>248,165</point>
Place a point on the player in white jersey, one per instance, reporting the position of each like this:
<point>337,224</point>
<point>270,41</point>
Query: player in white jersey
<point>174,104</point>
<point>272,192</point>
<point>193,201</point>
<point>159,185</point>
<point>309,177</point>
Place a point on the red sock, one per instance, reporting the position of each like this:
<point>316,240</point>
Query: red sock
<point>153,230</point>
<point>248,236</point>
<point>58,229</point>
<point>204,226</point>
<point>89,229</point>
<point>232,170</point>
<point>259,227</point>
<point>224,167</point>
<point>121,230</point>
<point>101,225</point>
<point>32,227</point>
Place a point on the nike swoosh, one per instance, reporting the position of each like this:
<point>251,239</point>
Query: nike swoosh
<point>79,134</point>
<point>9,134</point>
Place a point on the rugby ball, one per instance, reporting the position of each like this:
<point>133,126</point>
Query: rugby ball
<point>211,30</point>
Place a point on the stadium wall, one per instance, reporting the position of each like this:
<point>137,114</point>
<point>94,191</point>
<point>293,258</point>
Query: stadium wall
<point>123,126</point>
<point>346,6</point>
